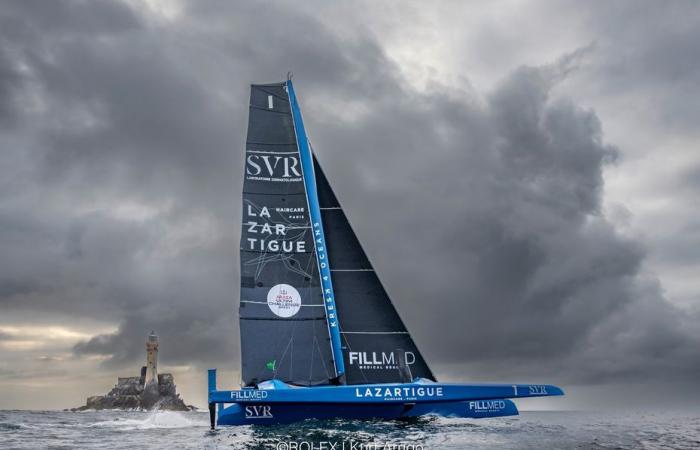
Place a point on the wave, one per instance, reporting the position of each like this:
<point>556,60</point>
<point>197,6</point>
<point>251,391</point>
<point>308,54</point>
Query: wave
<point>156,419</point>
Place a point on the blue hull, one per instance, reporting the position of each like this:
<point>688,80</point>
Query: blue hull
<point>275,402</point>
<point>280,413</point>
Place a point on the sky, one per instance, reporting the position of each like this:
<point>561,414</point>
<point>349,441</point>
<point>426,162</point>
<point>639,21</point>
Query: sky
<point>524,176</point>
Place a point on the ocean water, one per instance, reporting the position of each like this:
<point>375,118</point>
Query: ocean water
<point>175,430</point>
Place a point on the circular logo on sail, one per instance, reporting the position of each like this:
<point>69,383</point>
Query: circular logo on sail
<point>284,300</point>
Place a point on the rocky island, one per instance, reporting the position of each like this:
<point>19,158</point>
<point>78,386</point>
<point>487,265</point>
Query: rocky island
<point>150,390</point>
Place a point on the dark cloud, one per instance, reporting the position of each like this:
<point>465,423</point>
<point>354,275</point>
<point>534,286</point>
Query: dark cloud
<point>9,78</point>
<point>653,56</point>
<point>639,79</point>
<point>518,268</point>
<point>483,215</point>
<point>69,17</point>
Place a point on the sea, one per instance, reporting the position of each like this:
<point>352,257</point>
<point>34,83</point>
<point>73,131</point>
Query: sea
<point>190,430</point>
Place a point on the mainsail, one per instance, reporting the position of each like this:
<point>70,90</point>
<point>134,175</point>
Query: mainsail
<point>284,331</point>
<point>377,347</point>
<point>312,309</point>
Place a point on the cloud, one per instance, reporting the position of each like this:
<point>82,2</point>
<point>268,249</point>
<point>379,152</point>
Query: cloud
<point>514,268</point>
<point>482,212</point>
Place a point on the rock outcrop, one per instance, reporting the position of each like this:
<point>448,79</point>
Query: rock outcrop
<point>130,393</point>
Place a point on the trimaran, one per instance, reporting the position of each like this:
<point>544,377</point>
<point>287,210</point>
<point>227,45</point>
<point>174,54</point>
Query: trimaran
<point>320,337</point>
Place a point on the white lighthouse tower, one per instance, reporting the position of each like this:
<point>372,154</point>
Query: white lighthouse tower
<point>151,360</point>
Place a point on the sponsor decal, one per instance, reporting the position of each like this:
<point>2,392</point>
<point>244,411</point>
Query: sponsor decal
<point>276,245</point>
<point>270,365</point>
<point>487,405</point>
<point>537,390</point>
<point>287,213</point>
<point>267,235</point>
<point>277,168</point>
<point>379,360</point>
<point>291,213</point>
<point>329,300</point>
<point>283,300</point>
<point>258,412</point>
<point>248,394</point>
<point>399,392</point>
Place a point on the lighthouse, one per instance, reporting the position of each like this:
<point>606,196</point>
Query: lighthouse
<point>151,360</point>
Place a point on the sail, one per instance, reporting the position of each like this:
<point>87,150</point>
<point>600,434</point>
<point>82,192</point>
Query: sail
<point>284,331</point>
<point>377,347</point>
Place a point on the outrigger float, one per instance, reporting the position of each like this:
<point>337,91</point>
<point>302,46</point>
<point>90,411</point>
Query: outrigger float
<point>320,338</point>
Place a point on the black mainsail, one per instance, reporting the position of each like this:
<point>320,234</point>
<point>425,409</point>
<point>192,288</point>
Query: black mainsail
<point>284,331</point>
<point>312,309</point>
<point>377,347</point>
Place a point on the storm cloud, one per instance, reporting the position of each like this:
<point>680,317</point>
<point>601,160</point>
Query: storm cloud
<point>122,128</point>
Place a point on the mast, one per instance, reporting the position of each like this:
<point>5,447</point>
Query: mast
<point>317,227</point>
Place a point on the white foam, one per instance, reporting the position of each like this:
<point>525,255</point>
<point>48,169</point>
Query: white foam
<point>156,419</point>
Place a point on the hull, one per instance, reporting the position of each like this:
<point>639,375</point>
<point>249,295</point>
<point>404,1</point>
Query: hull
<point>281,413</point>
<point>275,402</point>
